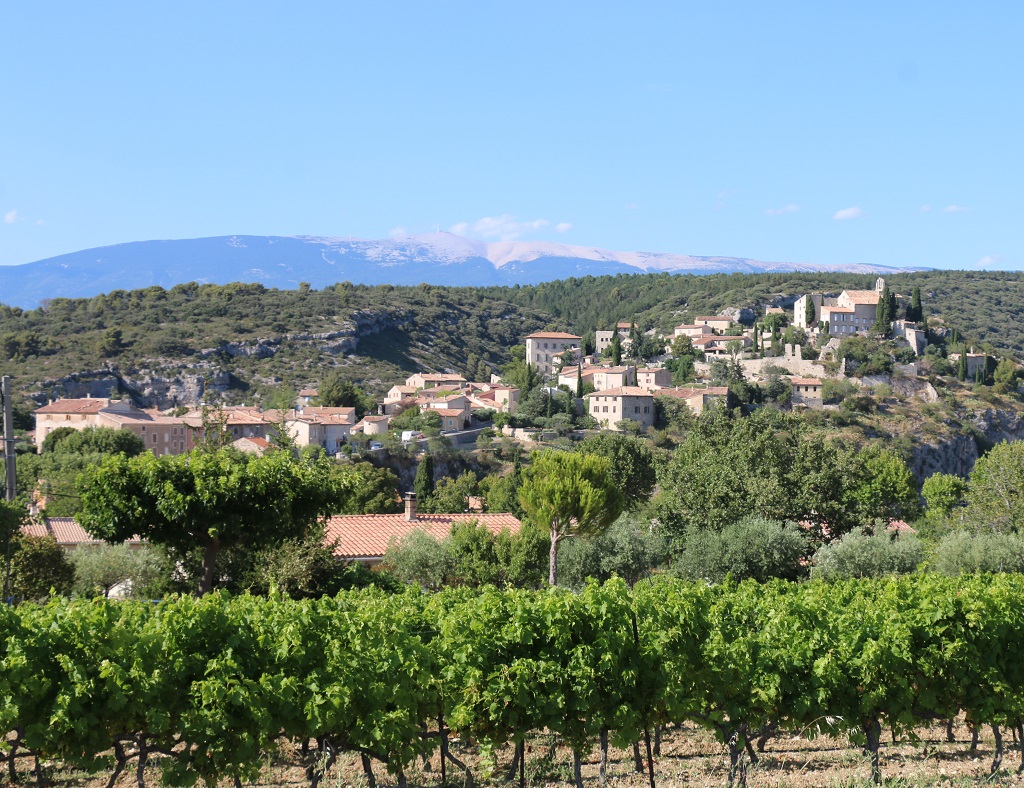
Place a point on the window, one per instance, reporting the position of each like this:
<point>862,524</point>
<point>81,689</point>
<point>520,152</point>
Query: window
<point>636,409</point>
<point>154,437</point>
<point>647,408</point>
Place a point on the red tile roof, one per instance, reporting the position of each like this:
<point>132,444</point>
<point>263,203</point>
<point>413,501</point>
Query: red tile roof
<point>714,391</point>
<point>91,405</point>
<point>623,391</point>
<point>806,381</point>
<point>552,335</point>
<point>66,531</point>
<point>366,536</point>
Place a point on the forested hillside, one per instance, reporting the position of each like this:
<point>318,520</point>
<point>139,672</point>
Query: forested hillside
<point>258,338</point>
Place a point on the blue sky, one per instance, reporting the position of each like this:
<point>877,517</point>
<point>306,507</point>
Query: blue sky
<point>869,132</point>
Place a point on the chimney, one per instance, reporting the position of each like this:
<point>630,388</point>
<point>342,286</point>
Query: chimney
<point>410,507</point>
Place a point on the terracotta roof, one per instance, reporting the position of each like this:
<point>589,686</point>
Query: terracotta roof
<point>308,393</point>
<point>714,391</point>
<point>623,391</point>
<point>691,325</point>
<point>648,370</point>
<point>552,335</point>
<point>845,309</point>
<point>862,296</point>
<point>343,413</point>
<point>66,531</point>
<point>450,412</point>
<point>89,405</point>
<point>372,419</point>
<point>623,324</point>
<point>440,377</point>
<point>366,536</point>
<point>714,317</point>
<point>806,381</point>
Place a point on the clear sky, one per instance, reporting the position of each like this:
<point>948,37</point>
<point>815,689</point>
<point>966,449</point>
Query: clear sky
<point>828,132</point>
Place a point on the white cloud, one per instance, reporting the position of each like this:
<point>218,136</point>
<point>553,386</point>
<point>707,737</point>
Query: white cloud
<point>955,209</point>
<point>987,261</point>
<point>791,208</point>
<point>503,228</point>
<point>397,232</point>
<point>924,209</point>
<point>11,216</point>
<point>848,213</point>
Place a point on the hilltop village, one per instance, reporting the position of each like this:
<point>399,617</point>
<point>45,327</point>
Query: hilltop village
<point>621,382</point>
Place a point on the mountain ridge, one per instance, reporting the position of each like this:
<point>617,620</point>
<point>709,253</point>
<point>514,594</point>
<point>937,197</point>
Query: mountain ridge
<point>286,261</point>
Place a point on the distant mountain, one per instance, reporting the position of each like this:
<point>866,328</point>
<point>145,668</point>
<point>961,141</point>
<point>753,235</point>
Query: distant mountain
<point>284,261</point>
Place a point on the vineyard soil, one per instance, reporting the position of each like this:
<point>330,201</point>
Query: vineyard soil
<point>689,757</point>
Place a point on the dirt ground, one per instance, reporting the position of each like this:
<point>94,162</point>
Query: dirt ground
<point>689,757</point>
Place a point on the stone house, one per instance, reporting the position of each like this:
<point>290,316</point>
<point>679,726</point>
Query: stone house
<point>653,378</point>
<point>806,392</point>
<point>543,347</point>
<point>611,406</point>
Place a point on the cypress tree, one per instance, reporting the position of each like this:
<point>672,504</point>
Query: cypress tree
<point>961,367</point>
<point>579,382</point>
<point>809,311</point>
<point>616,350</point>
<point>884,312</point>
<point>916,310</point>
<point>423,485</point>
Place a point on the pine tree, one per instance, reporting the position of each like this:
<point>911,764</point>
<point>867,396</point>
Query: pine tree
<point>423,485</point>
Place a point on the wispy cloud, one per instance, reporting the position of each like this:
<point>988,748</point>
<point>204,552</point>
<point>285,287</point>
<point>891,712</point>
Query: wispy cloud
<point>504,228</point>
<point>11,216</point>
<point>848,213</point>
<point>955,209</point>
<point>397,232</point>
<point>924,208</point>
<point>987,261</point>
<point>791,208</point>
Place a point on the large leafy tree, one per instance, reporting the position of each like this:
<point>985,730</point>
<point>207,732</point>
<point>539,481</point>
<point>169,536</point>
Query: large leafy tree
<point>98,440</point>
<point>570,495</point>
<point>632,464</point>
<point>209,501</point>
<point>995,490</point>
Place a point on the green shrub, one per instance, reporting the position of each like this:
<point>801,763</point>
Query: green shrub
<point>753,547</point>
<point>859,554</point>
<point>962,552</point>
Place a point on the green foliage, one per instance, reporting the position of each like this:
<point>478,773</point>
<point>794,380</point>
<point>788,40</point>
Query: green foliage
<point>943,492</point>
<point>751,548</point>
<point>632,465</point>
<point>38,566</point>
<point>334,391</point>
<point>960,552</point>
<point>364,672</point>
<point>373,490</point>
<point>451,496</point>
<point>836,390</point>
<point>211,501</point>
<point>93,440</point>
<point>884,488</point>
<point>141,572</point>
<point>995,490</point>
<point>569,494</point>
<point>423,484</point>
<point>859,554</point>
<point>630,549</point>
<point>810,313</point>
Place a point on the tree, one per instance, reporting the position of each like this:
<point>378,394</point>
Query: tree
<point>334,392</point>
<point>885,312</point>
<point>943,492</point>
<point>1006,375</point>
<point>616,349</point>
<point>579,382</point>
<point>995,490</point>
<point>915,312</point>
<point>629,549</point>
<point>632,465</point>
<point>884,489</point>
<point>423,485</point>
<point>210,501</point>
<point>753,548</point>
<point>93,440</point>
<point>810,312</point>
<point>99,569</point>
<point>961,366</point>
<point>39,565</point>
<point>373,490</point>
<point>451,496</point>
<point>570,495</point>
<point>859,554</point>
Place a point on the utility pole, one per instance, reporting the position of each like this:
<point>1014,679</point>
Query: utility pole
<point>9,468</point>
<point>8,400</point>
